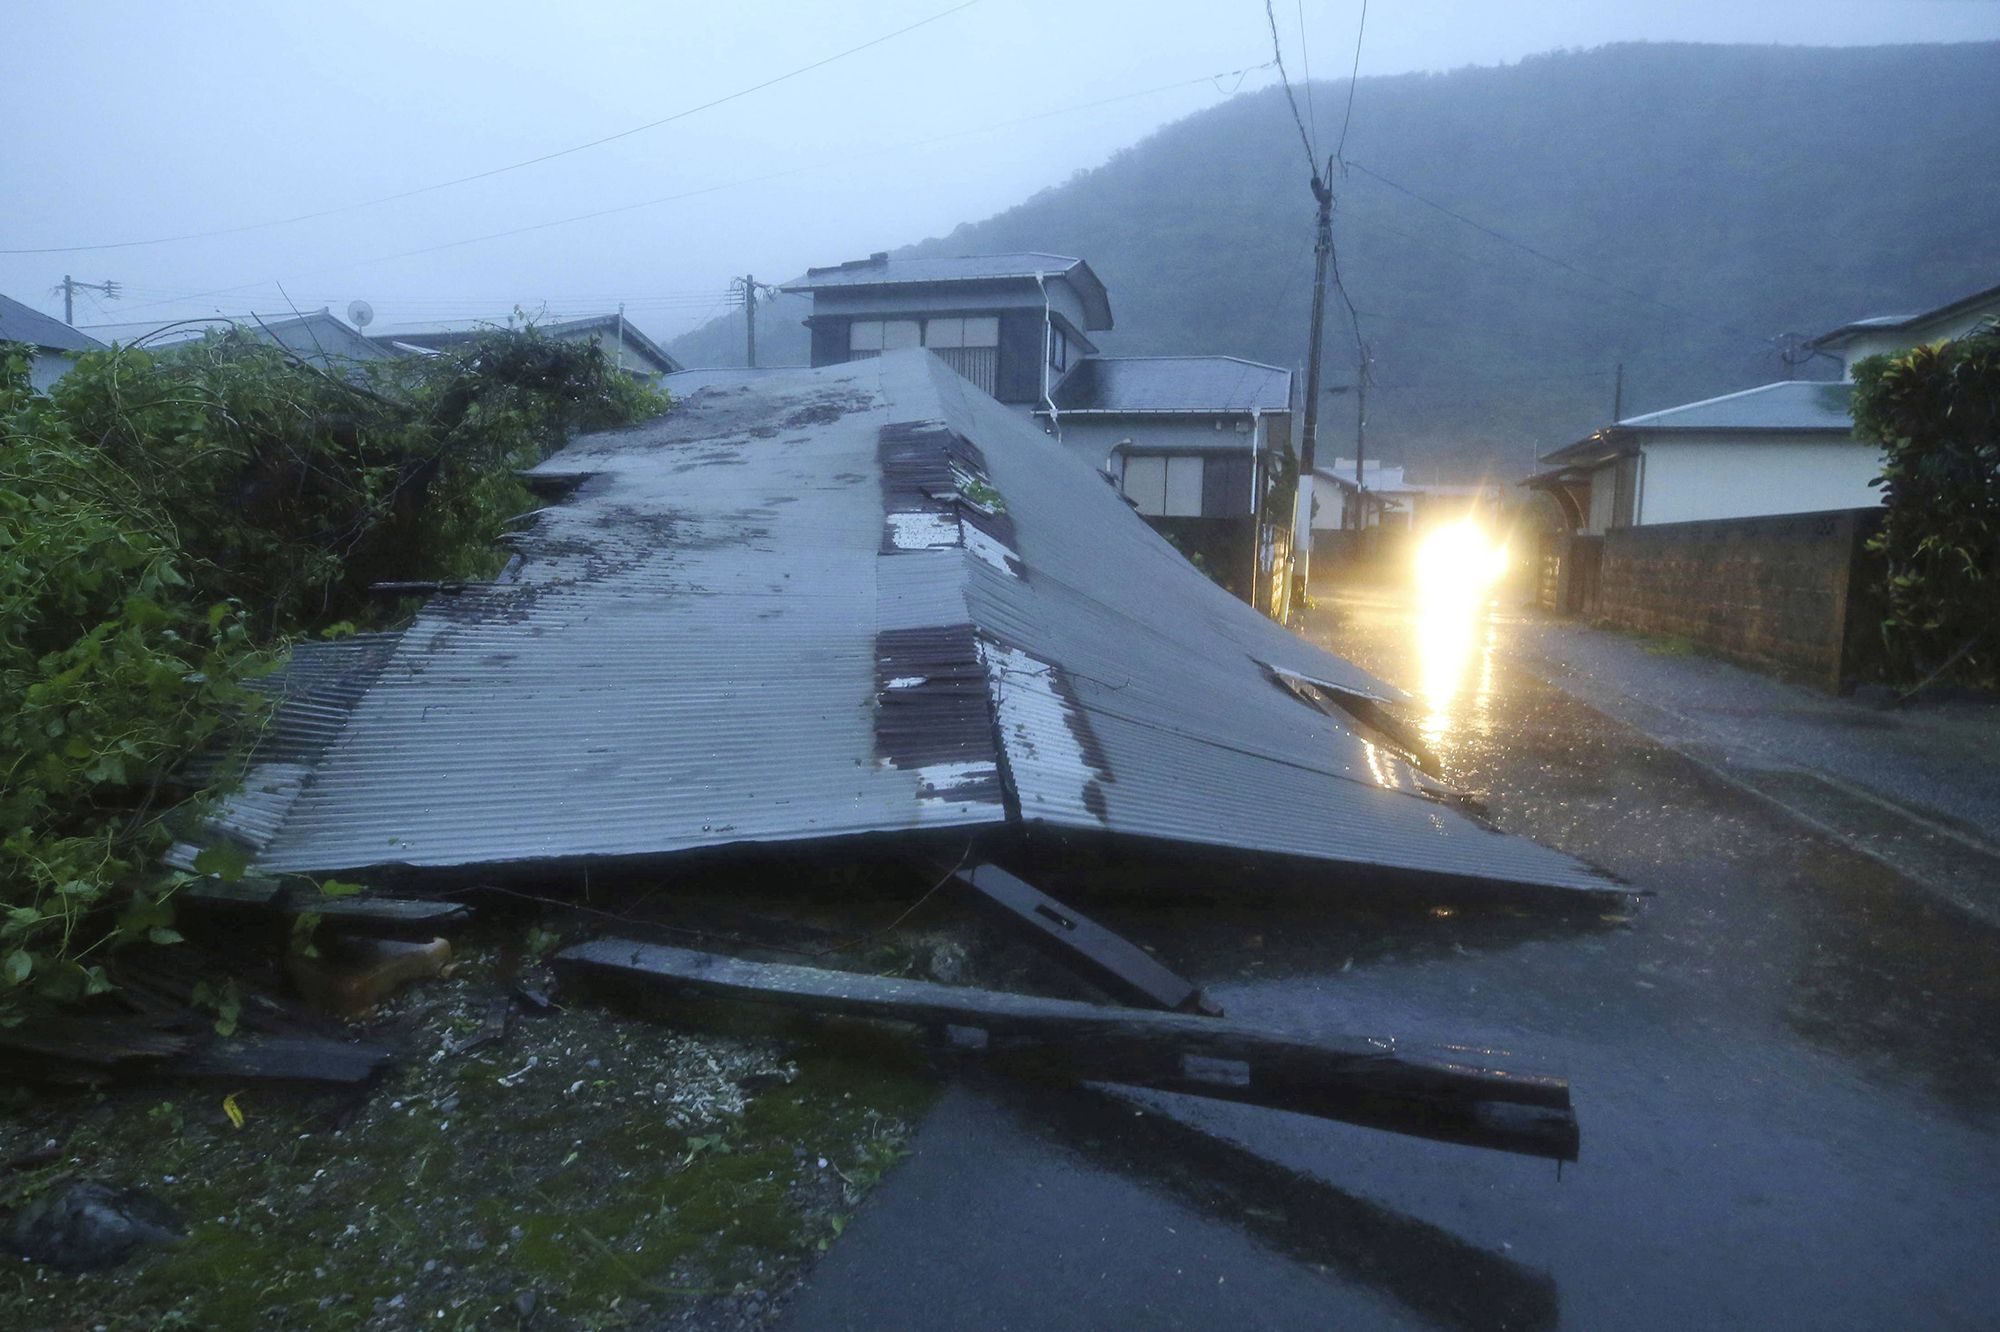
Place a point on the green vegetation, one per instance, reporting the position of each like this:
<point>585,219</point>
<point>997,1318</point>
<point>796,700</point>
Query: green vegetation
<point>1734,193</point>
<point>167,524</point>
<point>1936,413</point>
<point>614,1171</point>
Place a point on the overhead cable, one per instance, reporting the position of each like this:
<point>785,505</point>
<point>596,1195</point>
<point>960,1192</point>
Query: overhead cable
<point>511,166</point>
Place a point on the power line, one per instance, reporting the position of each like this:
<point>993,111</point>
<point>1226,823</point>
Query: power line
<point>1306,69</point>
<point>511,166</point>
<point>1361,30</point>
<point>1278,59</point>
<point>1213,80</point>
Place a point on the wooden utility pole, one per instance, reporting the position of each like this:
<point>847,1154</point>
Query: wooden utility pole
<point>70,287</point>
<point>1361,445</point>
<point>750,320</point>
<point>1309,436</point>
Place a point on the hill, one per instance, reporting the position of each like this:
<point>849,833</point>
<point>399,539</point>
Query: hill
<point>1691,206</point>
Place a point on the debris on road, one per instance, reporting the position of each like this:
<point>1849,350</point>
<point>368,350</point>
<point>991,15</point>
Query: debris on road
<point>1454,1095</point>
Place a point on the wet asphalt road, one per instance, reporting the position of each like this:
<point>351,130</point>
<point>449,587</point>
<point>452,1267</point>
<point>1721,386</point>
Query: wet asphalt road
<point>1786,1064</point>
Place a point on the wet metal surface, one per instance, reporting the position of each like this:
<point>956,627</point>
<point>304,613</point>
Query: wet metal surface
<point>1786,1064</point>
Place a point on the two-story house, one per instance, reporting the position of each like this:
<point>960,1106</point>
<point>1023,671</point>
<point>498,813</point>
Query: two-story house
<point>1014,324</point>
<point>1193,442</point>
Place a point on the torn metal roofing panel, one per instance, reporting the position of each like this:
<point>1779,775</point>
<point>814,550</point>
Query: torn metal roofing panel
<point>865,598</point>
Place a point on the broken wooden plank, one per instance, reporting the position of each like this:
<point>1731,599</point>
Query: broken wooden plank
<point>1453,1094</point>
<point>284,1059</point>
<point>1107,960</point>
<point>360,911</point>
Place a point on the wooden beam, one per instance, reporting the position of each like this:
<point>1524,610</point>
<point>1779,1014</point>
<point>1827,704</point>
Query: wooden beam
<point>1107,960</point>
<point>1453,1094</point>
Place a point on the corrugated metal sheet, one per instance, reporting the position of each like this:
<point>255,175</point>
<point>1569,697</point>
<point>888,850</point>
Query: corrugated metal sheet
<point>857,599</point>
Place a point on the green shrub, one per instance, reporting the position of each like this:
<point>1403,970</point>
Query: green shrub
<point>167,523</point>
<point>1936,413</point>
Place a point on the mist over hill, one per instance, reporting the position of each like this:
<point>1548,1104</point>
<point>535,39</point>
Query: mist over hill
<point>1700,203</point>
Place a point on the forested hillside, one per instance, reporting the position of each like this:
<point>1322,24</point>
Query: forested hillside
<point>1699,203</point>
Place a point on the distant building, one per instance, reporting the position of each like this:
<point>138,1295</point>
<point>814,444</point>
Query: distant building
<point>1391,499</point>
<point>318,337</point>
<point>56,345</point>
<point>629,349</point>
<point>1780,448</point>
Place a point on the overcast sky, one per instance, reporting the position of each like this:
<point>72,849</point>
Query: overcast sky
<point>133,121</point>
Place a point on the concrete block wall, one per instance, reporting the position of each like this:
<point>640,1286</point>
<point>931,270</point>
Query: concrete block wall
<point>1779,593</point>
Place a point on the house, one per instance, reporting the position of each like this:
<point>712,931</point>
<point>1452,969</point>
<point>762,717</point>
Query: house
<point>1191,441</point>
<point>318,337</point>
<point>1013,324</point>
<point>1181,436</point>
<point>629,349</point>
<point>1880,334</point>
<point>1779,448</point>
<point>56,345</point>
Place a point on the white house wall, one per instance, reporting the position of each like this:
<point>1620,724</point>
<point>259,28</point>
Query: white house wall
<point>1872,343</point>
<point>46,367</point>
<point>1739,476</point>
<point>948,298</point>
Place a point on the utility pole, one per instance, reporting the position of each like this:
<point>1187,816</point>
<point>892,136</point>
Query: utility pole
<point>750,320</point>
<point>1309,436</point>
<point>1360,445</point>
<point>70,287</point>
<point>1618,395</point>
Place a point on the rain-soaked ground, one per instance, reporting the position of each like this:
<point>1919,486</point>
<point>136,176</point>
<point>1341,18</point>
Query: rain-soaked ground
<point>1786,1064</point>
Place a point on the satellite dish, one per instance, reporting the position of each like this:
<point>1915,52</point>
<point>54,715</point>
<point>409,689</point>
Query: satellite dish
<point>360,313</point>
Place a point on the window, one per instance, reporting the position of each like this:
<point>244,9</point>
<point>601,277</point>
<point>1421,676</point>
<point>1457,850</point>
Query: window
<point>1058,349</point>
<point>1164,487</point>
<point>869,336</point>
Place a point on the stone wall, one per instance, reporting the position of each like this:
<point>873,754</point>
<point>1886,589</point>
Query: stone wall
<point>1789,593</point>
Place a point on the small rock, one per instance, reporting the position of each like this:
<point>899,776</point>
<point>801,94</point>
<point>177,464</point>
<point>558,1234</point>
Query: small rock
<point>88,1226</point>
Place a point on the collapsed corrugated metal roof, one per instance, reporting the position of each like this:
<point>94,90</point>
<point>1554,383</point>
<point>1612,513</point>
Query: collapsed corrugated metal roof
<point>861,599</point>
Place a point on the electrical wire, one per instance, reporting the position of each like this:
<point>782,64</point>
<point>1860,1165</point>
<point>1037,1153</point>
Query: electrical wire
<point>1354,74</point>
<point>1278,59</point>
<point>804,168</point>
<point>511,166</point>
<point>1306,69</point>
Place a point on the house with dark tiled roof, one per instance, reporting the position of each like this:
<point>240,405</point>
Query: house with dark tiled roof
<point>56,345</point>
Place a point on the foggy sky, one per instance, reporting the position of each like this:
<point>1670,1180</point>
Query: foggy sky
<point>132,121</point>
